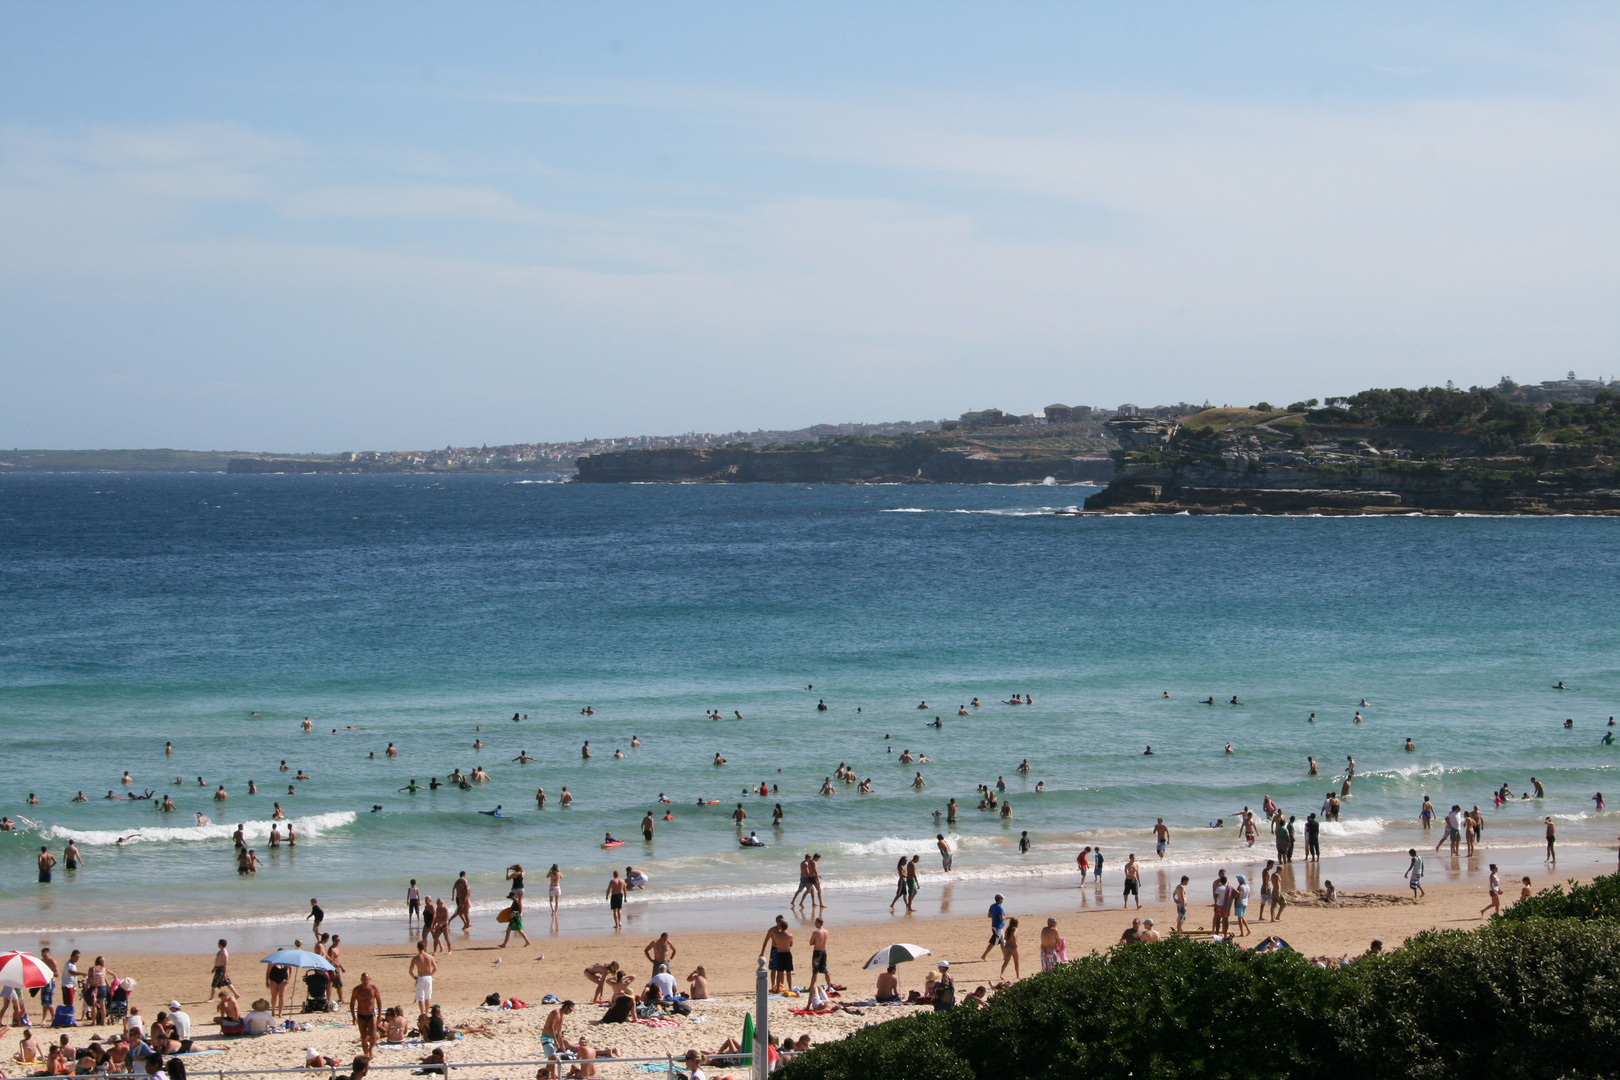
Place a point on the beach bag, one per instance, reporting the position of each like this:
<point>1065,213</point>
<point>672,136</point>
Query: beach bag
<point>63,1017</point>
<point>232,1027</point>
<point>682,1008</point>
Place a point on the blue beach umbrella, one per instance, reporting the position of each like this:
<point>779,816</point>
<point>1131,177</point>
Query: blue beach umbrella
<point>298,958</point>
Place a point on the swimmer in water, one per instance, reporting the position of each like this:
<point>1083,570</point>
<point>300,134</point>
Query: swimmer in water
<point>1228,748</point>
<point>525,758</point>
<point>1166,695</point>
<point>1358,718</point>
<point>128,779</point>
<point>718,760</point>
<point>284,765</point>
<point>1147,752</point>
<point>974,703</point>
<point>80,797</point>
<point>1410,746</point>
<point>168,749</point>
<point>617,753</point>
<point>585,751</point>
<point>478,744</point>
<point>307,725</point>
<point>961,710</point>
<point>253,789</point>
<point>635,741</point>
<point>1313,766</point>
<point>1559,685</point>
<point>1208,701</point>
<point>1570,723</point>
<point>202,819</point>
<point>301,775</point>
<point>1234,701</point>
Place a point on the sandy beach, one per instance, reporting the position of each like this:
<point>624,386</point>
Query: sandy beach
<point>478,967</point>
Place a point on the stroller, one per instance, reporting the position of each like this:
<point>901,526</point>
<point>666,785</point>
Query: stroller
<point>318,987</point>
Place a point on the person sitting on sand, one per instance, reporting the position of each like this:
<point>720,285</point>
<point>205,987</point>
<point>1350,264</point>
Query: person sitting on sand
<point>888,986</point>
<point>314,1059</point>
<point>698,982</point>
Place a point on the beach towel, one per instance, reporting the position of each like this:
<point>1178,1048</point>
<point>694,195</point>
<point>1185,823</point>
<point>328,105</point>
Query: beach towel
<point>659,1023</point>
<point>416,1044</point>
<point>815,1012</point>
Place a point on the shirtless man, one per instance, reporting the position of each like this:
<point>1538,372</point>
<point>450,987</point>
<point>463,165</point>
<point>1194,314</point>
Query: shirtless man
<point>818,955</point>
<point>1049,945</point>
<point>779,941</point>
<point>422,968</point>
<point>364,1005</point>
<point>334,956</point>
<point>647,827</point>
<point>441,926</point>
<point>1161,837</point>
<point>806,887</point>
<point>552,1039</point>
<point>616,888</point>
<point>661,951</point>
<point>46,861</point>
<point>461,893</point>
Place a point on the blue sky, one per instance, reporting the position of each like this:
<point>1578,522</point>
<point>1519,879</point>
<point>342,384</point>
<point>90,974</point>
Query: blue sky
<point>341,226</point>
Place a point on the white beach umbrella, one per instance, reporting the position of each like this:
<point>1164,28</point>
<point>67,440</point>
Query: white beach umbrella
<point>896,954</point>
<point>22,970</point>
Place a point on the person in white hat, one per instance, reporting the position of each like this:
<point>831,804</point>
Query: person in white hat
<point>180,1022</point>
<point>944,989</point>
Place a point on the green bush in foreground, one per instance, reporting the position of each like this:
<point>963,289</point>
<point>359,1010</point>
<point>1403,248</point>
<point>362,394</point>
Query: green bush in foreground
<point>1533,999</point>
<point>1598,900</point>
<point>1530,999</point>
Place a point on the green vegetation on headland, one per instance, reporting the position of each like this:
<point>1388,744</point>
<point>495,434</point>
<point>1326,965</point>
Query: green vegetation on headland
<point>1020,455</point>
<point>1431,450</point>
<point>1526,997</point>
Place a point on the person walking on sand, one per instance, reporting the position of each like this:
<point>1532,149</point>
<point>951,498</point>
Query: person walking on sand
<point>421,970</point>
<point>1133,882</point>
<point>617,887</point>
<point>1009,950</point>
<point>1552,838</point>
<point>944,846</point>
<point>1414,873</point>
<point>514,923</point>
<point>1180,897</point>
<point>998,925</point>
<point>461,893</point>
<point>365,1002</point>
<point>1051,946</point>
<point>1494,892</point>
<point>1161,837</point>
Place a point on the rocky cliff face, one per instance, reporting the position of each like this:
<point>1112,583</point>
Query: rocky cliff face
<point>906,462</point>
<point>1239,478</point>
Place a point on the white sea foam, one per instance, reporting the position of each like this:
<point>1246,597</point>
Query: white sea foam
<point>1357,827</point>
<point>896,845</point>
<point>309,828</point>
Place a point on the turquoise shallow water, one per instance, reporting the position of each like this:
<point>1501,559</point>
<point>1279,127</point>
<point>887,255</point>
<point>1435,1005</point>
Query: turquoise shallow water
<point>217,611</point>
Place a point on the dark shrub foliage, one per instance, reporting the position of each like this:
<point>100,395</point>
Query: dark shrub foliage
<point>1175,1009</point>
<point>1524,998</point>
<point>1532,1000</point>
<point>1599,900</point>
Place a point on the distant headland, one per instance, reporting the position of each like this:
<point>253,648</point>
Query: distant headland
<point>1546,448</point>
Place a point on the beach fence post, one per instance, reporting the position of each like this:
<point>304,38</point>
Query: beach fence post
<point>762,1017</point>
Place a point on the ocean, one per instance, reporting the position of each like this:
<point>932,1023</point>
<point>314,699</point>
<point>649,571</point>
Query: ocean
<point>215,612</point>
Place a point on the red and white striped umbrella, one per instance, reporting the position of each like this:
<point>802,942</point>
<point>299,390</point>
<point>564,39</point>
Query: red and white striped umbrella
<point>23,970</point>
